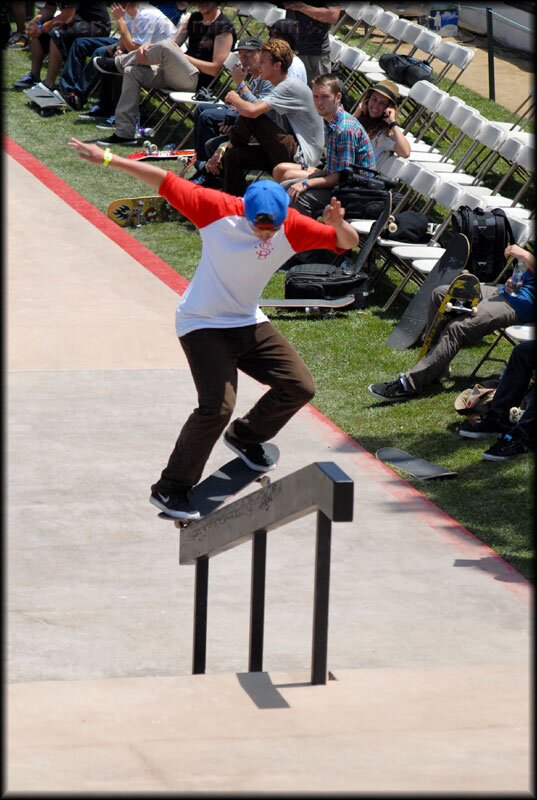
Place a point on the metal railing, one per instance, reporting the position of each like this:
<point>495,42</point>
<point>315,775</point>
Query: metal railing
<point>321,487</point>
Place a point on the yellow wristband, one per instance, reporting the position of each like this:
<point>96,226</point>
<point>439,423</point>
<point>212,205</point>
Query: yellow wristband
<point>107,158</point>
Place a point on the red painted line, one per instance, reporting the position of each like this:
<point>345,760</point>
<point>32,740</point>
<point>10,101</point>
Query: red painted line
<point>118,235</point>
<point>466,542</point>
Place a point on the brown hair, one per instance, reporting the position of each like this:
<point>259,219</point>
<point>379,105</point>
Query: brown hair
<point>373,126</point>
<point>332,81</point>
<point>280,51</point>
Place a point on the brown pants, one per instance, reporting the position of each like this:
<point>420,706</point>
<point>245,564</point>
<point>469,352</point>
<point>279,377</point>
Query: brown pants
<point>275,145</point>
<point>215,355</point>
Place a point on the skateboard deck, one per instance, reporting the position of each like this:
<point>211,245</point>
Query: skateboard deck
<point>222,484</point>
<point>414,318</point>
<point>313,305</point>
<point>136,211</point>
<point>417,467</point>
<point>382,222</point>
<point>152,153</point>
<point>462,297</point>
<point>45,101</point>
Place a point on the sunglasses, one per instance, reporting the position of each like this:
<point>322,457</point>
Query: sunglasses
<point>265,222</point>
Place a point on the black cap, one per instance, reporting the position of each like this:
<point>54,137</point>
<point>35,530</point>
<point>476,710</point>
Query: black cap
<point>249,43</point>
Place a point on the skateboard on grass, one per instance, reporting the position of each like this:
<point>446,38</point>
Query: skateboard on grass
<point>316,306</point>
<point>417,467</point>
<point>136,211</point>
<point>151,152</point>
<point>462,297</point>
<point>222,484</point>
<point>414,318</point>
<point>354,266</point>
<point>45,101</point>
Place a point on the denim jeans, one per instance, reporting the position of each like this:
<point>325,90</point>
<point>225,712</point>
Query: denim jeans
<point>512,389</point>
<point>207,118</point>
<point>77,75</point>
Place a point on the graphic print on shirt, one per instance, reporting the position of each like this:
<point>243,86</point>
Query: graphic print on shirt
<point>263,249</point>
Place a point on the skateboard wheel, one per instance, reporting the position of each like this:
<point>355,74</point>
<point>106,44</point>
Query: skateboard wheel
<point>392,227</point>
<point>449,307</point>
<point>264,481</point>
<point>147,144</point>
<point>473,311</point>
<point>153,148</point>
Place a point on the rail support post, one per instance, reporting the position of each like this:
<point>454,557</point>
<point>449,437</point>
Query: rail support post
<point>201,590</point>
<point>321,599</point>
<point>257,601</point>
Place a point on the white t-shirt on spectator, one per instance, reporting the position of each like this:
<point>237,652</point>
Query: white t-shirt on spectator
<point>150,25</point>
<point>293,110</point>
<point>297,70</point>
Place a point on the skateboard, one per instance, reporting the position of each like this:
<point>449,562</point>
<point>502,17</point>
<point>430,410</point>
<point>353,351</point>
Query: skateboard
<point>222,484</point>
<point>417,467</point>
<point>354,265</point>
<point>316,306</point>
<point>414,318</point>
<point>45,101</point>
<point>137,211</point>
<point>462,297</point>
<point>152,153</point>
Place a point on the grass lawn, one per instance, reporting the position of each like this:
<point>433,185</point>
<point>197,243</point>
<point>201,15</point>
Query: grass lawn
<point>346,352</point>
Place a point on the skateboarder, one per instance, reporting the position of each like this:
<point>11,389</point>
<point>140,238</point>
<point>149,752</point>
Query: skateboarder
<point>219,323</point>
<point>499,308</point>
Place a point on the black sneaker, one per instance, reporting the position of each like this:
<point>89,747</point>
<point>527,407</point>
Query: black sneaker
<point>393,390</point>
<point>115,139</point>
<point>254,455</point>
<point>94,113</point>
<point>504,449</point>
<point>174,505</point>
<point>26,82</point>
<point>108,124</point>
<point>479,427</point>
<point>106,65</point>
<point>71,99</point>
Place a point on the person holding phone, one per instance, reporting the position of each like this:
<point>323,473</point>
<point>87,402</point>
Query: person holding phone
<point>377,112</point>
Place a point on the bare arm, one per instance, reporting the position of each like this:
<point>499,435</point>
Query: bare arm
<point>244,107</point>
<point>125,38</point>
<point>222,48</point>
<point>329,15</point>
<point>524,255</point>
<point>334,215</point>
<point>63,18</point>
<point>147,173</point>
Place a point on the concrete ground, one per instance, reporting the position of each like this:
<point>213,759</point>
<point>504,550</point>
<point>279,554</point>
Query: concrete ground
<point>429,638</point>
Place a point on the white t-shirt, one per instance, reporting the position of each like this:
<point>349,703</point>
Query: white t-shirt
<point>234,265</point>
<point>382,144</point>
<point>292,107</point>
<point>149,25</point>
<point>297,70</point>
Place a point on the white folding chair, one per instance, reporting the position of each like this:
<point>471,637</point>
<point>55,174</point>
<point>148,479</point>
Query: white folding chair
<point>353,12</point>
<point>452,55</point>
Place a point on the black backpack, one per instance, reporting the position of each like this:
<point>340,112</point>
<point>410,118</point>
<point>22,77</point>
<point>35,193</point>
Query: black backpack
<point>489,233</point>
<point>324,282</point>
<point>405,69</point>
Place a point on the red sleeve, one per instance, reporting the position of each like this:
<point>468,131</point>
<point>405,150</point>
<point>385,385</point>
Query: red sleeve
<point>304,233</point>
<point>201,206</point>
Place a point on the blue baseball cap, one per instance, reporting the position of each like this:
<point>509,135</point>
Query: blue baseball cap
<point>265,204</point>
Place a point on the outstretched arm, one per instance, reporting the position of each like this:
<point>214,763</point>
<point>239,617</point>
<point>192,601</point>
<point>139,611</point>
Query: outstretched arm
<point>147,173</point>
<point>334,215</point>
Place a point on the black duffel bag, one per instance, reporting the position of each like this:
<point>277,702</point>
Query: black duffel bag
<point>363,192</point>
<point>322,281</point>
<point>405,69</point>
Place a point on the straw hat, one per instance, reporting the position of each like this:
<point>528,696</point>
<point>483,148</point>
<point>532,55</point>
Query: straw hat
<point>387,89</point>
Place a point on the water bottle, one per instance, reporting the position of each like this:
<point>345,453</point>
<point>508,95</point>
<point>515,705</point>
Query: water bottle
<point>146,131</point>
<point>516,278</point>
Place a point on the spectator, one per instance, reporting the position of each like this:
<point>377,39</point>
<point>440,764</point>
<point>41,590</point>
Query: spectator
<point>346,142</point>
<point>210,36</point>
<point>499,308</point>
<point>516,437</point>
<point>377,112</point>
<point>174,11</point>
<point>314,24</point>
<point>210,127</point>
<point>287,29</point>
<point>219,322</point>
<point>18,40</point>
<point>137,24</point>
<point>285,123</point>
<point>54,35</point>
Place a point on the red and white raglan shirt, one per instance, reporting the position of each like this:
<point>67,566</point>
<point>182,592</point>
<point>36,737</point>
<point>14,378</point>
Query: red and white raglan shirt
<point>235,265</point>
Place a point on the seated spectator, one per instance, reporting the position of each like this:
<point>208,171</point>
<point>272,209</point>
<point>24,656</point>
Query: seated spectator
<point>499,308</point>
<point>377,112</point>
<point>284,124</point>
<point>516,437</point>
<point>287,29</point>
<point>346,142</point>
<point>54,35</point>
<point>19,39</point>
<point>137,24</point>
<point>174,11</point>
<point>210,126</point>
<point>210,36</point>
<point>314,23</point>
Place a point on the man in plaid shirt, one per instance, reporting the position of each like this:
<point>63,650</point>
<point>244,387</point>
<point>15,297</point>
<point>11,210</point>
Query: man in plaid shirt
<point>347,143</point>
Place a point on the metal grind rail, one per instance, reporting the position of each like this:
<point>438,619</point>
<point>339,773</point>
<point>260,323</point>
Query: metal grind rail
<point>322,487</point>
